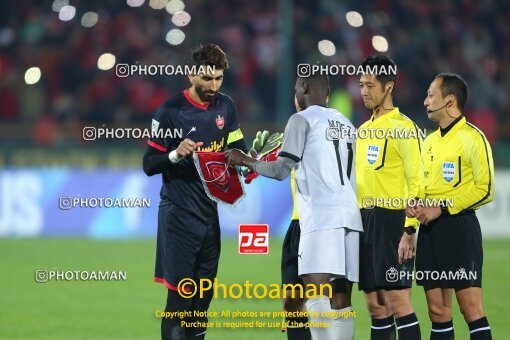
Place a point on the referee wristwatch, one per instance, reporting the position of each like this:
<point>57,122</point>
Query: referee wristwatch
<point>409,230</point>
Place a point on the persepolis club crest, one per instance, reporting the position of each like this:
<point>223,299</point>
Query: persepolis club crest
<point>220,122</point>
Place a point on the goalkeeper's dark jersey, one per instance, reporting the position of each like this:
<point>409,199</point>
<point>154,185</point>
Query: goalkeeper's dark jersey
<point>215,124</point>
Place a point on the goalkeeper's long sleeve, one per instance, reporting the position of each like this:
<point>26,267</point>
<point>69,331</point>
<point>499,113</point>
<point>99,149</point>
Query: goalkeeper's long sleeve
<point>279,169</point>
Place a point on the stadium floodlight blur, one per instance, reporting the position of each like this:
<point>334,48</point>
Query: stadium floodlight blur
<point>76,46</point>
<point>32,75</point>
<point>89,19</point>
<point>380,43</point>
<point>67,13</point>
<point>354,19</point>
<point>327,47</point>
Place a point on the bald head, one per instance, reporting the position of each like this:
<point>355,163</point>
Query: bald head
<point>312,90</point>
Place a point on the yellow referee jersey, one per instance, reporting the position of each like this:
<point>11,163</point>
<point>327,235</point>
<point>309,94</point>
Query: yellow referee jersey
<point>458,167</point>
<point>293,187</point>
<point>388,162</point>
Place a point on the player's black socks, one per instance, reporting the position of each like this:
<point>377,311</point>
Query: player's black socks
<point>196,333</point>
<point>201,305</point>
<point>296,329</point>
<point>480,329</point>
<point>442,331</point>
<point>171,327</point>
<point>383,329</point>
<point>408,327</point>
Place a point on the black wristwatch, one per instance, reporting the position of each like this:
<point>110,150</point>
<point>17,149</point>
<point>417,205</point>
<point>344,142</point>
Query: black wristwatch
<point>410,230</point>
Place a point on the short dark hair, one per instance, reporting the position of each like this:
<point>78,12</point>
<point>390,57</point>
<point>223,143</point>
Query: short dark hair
<point>455,85</point>
<point>209,55</point>
<point>385,61</point>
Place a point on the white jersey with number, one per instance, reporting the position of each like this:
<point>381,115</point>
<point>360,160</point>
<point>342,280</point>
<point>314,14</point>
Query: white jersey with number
<point>316,138</point>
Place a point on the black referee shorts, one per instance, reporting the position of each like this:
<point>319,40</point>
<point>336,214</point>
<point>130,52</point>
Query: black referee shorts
<point>290,254</point>
<point>379,267</point>
<point>451,245</point>
<point>187,247</point>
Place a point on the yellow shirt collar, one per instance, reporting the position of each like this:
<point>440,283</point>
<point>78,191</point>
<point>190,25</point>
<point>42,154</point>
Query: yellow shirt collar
<point>385,116</point>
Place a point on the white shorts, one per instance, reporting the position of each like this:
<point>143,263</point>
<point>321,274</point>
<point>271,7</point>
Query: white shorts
<point>332,251</point>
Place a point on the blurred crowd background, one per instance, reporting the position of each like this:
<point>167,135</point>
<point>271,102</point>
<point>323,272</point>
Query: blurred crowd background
<point>260,38</point>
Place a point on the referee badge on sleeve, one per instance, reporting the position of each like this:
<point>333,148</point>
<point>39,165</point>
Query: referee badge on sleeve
<point>448,171</point>
<point>372,153</point>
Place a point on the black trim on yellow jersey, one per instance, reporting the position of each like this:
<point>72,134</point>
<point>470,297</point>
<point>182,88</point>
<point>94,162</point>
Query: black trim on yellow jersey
<point>488,163</point>
<point>383,155</point>
<point>417,136</point>
<point>415,128</point>
<point>460,172</point>
<point>449,127</point>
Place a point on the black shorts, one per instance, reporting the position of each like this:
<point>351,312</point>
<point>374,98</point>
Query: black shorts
<point>451,245</point>
<point>378,266</point>
<point>290,254</point>
<point>187,247</point>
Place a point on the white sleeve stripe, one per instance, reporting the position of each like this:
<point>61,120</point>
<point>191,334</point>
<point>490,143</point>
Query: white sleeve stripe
<point>480,329</point>
<point>442,330</point>
<point>381,327</point>
<point>407,325</point>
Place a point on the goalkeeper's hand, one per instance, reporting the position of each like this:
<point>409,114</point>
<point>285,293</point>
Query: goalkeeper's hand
<point>258,143</point>
<point>264,147</point>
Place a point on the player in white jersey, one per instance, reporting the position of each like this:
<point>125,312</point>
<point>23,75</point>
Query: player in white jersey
<point>326,196</point>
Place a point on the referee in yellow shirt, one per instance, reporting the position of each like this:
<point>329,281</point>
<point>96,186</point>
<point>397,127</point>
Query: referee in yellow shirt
<point>388,172</point>
<point>458,167</point>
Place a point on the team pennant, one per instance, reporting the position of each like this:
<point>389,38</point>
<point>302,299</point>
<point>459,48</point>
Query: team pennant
<point>221,182</point>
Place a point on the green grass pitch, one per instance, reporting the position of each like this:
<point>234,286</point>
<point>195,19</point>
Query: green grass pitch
<point>126,310</point>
